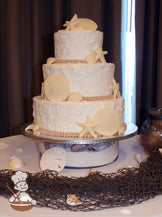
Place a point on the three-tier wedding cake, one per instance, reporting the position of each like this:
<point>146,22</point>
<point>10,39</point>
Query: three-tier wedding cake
<point>80,97</point>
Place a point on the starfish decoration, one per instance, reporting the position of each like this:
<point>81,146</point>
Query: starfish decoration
<point>115,88</point>
<point>88,126</point>
<point>72,23</point>
<point>34,128</point>
<point>99,54</point>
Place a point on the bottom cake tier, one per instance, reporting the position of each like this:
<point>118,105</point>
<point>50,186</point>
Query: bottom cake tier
<point>65,117</point>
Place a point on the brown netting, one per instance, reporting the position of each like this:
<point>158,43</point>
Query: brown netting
<point>96,191</point>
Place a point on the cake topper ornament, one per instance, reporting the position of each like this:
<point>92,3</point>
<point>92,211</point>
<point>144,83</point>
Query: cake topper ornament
<point>88,127</point>
<point>78,24</point>
<point>21,200</point>
<point>72,23</point>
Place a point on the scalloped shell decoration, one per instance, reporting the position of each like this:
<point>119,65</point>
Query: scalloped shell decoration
<point>79,24</point>
<point>57,87</point>
<point>72,200</point>
<point>15,163</point>
<point>50,60</point>
<point>108,121</point>
<point>86,24</point>
<point>122,129</point>
<point>91,59</point>
<point>75,97</point>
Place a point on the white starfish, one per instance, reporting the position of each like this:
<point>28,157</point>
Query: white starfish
<point>115,88</point>
<point>72,23</point>
<point>88,126</point>
<point>99,54</point>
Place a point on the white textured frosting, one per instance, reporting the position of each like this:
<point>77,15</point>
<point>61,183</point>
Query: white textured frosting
<point>76,45</point>
<point>63,116</point>
<point>88,79</point>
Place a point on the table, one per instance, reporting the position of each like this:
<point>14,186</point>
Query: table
<point>26,149</point>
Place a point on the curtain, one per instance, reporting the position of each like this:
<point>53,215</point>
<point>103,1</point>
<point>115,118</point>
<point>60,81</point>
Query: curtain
<point>148,57</point>
<point>26,41</point>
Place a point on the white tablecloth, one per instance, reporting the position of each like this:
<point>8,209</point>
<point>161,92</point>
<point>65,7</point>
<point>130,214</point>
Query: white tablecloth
<point>25,149</point>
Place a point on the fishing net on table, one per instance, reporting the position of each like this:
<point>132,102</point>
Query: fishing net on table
<point>96,191</point>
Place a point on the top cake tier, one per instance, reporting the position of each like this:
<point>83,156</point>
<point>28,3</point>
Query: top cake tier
<point>76,45</point>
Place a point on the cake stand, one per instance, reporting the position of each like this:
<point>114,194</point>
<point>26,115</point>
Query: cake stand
<point>83,152</point>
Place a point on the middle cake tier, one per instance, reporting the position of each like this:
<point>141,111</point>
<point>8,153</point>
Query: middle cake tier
<point>88,79</point>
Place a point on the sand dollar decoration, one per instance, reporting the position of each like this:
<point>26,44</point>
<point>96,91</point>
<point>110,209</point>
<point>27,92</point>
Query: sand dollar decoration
<point>108,121</point>
<point>53,159</point>
<point>75,96</point>
<point>57,87</point>
<point>80,24</point>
